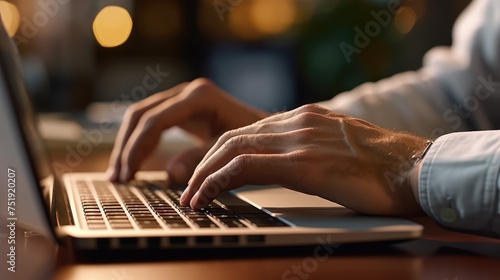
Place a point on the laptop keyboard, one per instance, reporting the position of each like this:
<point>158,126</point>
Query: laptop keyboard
<point>151,205</point>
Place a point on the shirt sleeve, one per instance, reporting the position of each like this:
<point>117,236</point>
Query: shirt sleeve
<point>459,182</point>
<point>456,89</point>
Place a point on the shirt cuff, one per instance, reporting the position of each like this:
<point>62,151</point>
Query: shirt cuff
<point>459,179</point>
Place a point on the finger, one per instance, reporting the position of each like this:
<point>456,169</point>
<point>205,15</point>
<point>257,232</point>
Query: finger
<point>255,169</point>
<point>240,145</point>
<point>296,119</point>
<point>244,144</point>
<point>258,128</point>
<point>129,123</point>
<point>146,135</point>
<point>181,167</point>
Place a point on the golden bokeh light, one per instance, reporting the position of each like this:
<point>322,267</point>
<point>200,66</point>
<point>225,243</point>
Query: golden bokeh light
<point>405,20</point>
<point>273,17</point>
<point>241,25</point>
<point>10,17</point>
<point>112,26</point>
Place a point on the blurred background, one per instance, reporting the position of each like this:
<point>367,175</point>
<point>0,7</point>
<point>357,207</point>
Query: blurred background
<point>273,54</point>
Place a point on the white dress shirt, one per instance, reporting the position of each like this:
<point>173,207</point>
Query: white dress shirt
<point>457,90</point>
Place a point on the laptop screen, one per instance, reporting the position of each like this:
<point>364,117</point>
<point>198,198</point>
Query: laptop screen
<point>22,140</point>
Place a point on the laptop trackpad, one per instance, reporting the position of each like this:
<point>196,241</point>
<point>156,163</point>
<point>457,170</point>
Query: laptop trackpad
<point>279,197</point>
<point>310,211</point>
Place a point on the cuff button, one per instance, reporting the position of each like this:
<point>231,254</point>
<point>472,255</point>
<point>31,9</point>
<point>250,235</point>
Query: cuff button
<point>448,215</point>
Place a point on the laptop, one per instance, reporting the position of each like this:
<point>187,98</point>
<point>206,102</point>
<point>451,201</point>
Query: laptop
<point>88,213</point>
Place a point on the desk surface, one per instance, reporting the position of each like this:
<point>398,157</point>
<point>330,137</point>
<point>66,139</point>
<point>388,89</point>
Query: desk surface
<point>439,254</point>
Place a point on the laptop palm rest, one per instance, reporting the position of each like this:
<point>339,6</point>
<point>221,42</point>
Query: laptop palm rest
<point>304,210</point>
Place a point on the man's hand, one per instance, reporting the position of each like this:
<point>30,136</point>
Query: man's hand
<point>315,151</point>
<point>199,107</point>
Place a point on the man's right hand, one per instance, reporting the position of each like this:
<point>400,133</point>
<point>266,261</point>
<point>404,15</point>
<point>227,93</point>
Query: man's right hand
<point>198,107</point>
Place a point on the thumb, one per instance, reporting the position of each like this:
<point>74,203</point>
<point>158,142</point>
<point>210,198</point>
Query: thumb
<point>181,166</point>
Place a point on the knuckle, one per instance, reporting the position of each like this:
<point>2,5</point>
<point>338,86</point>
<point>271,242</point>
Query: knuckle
<point>133,112</point>
<point>236,141</point>
<point>311,108</point>
<point>308,119</point>
<point>306,135</point>
<point>268,128</point>
<point>306,156</point>
<point>202,86</point>
<point>149,121</point>
<point>209,185</point>
<point>242,160</point>
<point>226,136</point>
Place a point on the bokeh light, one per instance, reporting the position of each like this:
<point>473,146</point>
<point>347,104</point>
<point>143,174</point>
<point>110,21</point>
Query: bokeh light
<point>405,20</point>
<point>112,26</point>
<point>273,17</point>
<point>241,25</point>
<point>10,17</point>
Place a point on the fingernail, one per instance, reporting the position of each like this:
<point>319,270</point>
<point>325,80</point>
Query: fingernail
<point>194,200</point>
<point>110,174</point>
<point>184,195</point>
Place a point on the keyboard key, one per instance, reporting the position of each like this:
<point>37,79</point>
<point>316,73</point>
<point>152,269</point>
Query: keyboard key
<point>218,211</point>
<point>206,224</point>
<point>165,211</point>
<point>223,216</point>
<point>137,208</point>
<point>88,211</point>
<point>95,222</point>
<point>116,222</point>
<point>93,214</point>
<point>94,218</point>
<point>231,223</point>
<point>139,212</point>
<point>141,216</point>
<point>145,220</point>
<point>196,216</point>
<point>97,226</point>
<point>177,224</point>
<point>149,224</point>
<point>116,218</point>
<point>248,209</point>
<point>114,214</point>
<point>111,206</point>
<point>122,226</point>
<point>170,217</point>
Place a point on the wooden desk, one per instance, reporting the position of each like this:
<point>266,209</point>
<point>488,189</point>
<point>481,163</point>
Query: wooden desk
<point>439,254</point>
